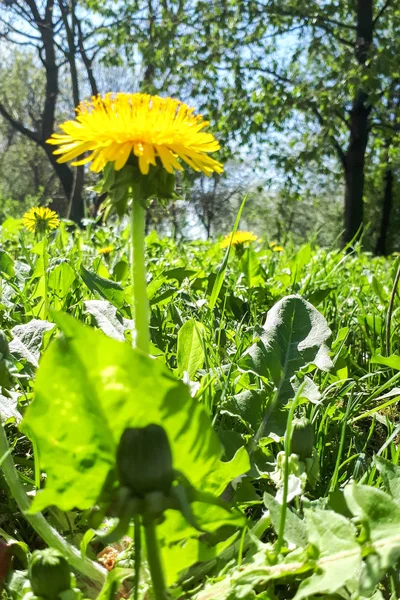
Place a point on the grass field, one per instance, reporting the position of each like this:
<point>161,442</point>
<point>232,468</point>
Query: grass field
<point>271,505</point>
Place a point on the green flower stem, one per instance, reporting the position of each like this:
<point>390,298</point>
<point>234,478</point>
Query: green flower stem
<point>138,555</point>
<point>48,534</point>
<point>160,591</point>
<point>288,439</point>
<point>46,283</point>
<point>139,295</point>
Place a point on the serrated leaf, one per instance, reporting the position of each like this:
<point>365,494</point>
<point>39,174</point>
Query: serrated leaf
<point>105,315</point>
<point>9,407</point>
<point>89,388</point>
<point>339,553</point>
<point>294,336</point>
<point>27,341</point>
<point>381,515</point>
<point>393,361</point>
<point>225,472</point>
<point>106,288</point>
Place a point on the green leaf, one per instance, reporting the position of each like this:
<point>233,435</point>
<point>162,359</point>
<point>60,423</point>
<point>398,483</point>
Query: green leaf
<point>392,361</point>
<point>294,336</point>
<point>89,389</point>
<point>115,578</point>
<point>27,341</point>
<point>339,553</point>
<point>6,264</point>
<point>9,407</point>
<point>248,406</point>
<point>295,528</point>
<point>219,280</point>
<point>190,354</point>
<point>106,288</point>
<point>225,472</point>
<point>390,474</point>
<point>61,279</point>
<point>380,514</point>
<point>105,316</point>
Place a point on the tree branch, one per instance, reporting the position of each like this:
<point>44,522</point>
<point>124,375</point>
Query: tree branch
<point>19,126</point>
<point>380,13</point>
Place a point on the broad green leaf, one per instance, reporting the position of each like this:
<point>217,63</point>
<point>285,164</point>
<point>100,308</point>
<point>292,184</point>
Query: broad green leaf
<point>250,266</point>
<point>105,316</point>
<point>9,407</point>
<point>339,558</point>
<point>294,335</point>
<point>190,355</point>
<point>390,474</point>
<point>6,264</point>
<point>295,528</point>
<point>381,515</point>
<point>27,341</point>
<point>225,472</point>
<point>106,288</point>
<point>393,361</point>
<point>248,406</point>
<point>61,279</point>
<point>177,557</point>
<point>89,388</point>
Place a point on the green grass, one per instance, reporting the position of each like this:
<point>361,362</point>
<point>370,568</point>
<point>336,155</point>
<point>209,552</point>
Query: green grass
<point>352,406</point>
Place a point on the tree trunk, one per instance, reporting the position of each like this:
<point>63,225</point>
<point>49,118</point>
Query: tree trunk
<point>354,169</point>
<point>354,161</point>
<point>381,245</point>
<point>72,186</point>
<point>76,210</point>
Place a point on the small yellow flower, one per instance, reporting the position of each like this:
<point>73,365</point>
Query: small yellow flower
<point>105,250</point>
<point>238,238</point>
<point>40,219</point>
<point>113,127</point>
<point>272,244</point>
<point>278,249</point>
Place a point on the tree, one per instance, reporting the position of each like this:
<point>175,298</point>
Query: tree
<point>53,29</point>
<point>257,67</point>
<point>24,167</point>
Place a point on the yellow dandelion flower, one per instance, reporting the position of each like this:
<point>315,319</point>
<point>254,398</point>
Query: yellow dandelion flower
<point>278,249</point>
<point>240,237</point>
<point>272,244</point>
<point>113,127</point>
<point>40,219</point>
<point>105,250</point>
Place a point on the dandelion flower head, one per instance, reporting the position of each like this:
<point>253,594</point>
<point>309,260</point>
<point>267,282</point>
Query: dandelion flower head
<point>40,219</point>
<point>238,238</point>
<point>105,250</point>
<point>113,127</point>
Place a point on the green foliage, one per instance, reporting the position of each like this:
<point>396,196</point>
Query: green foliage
<point>79,386</point>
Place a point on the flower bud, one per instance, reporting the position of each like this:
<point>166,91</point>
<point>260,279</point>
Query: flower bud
<point>49,573</point>
<point>144,460</point>
<point>303,438</point>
